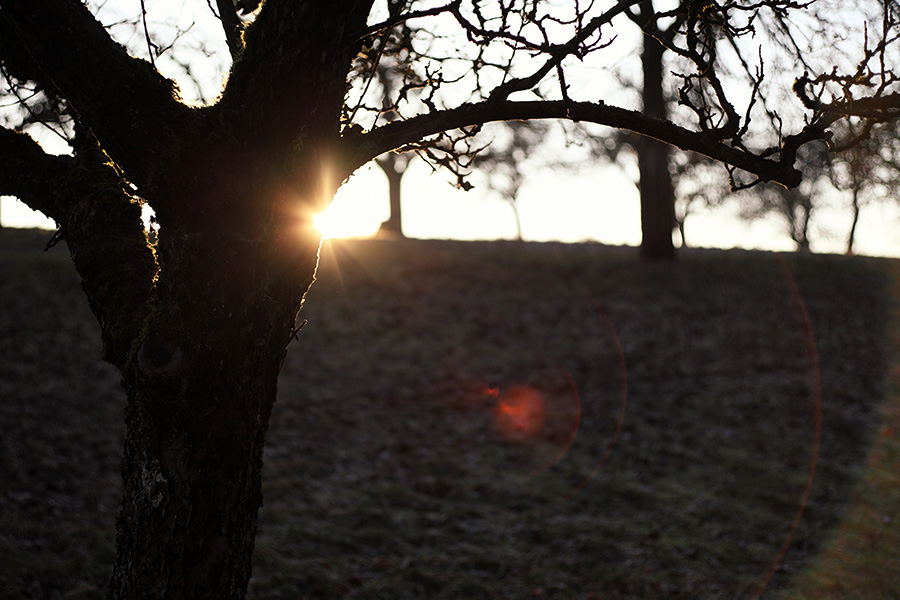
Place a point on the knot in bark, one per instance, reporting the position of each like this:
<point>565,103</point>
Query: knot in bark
<point>160,358</point>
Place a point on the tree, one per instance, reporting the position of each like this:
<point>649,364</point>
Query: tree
<point>868,172</point>
<point>499,162</point>
<point>864,174</point>
<point>654,180</point>
<point>198,323</point>
<point>656,187</point>
<point>499,165</point>
<point>795,206</point>
<point>860,154</point>
<point>671,43</point>
<point>394,166</point>
<point>389,60</point>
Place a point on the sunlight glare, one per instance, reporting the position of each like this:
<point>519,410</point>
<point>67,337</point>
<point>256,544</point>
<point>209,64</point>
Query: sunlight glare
<point>348,216</point>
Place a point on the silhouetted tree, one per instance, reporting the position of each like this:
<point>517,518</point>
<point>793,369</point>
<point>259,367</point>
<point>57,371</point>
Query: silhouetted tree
<point>498,161</point>
<point>656,187</point>
<point>389,58</point>
<point>795,206</point>
<point>393,166</point>
<point>199,322</point>
<point>868,172</point>
<point>702,33</point>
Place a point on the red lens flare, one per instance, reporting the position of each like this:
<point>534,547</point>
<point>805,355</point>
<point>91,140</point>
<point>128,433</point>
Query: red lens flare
<point>542,422</point>
<point>520,413</point>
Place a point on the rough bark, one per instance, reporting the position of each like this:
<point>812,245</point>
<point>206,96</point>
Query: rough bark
<point>201,385</point>
<point>131,107</point>
<point>101,224</point>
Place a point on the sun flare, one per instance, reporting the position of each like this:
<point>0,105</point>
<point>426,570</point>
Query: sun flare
<point>347,217</point>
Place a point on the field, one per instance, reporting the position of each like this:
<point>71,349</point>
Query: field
<point>467,420</point>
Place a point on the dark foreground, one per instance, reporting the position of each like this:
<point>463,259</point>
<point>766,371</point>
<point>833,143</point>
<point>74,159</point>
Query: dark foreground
<point>488,420</point>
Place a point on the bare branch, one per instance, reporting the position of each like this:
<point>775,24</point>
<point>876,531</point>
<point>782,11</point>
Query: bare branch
<point>879,108</point>
<point>32,175</point>
<point>131,107</point>
<point>232,25</point>
<point>399,18</point>
<point>360,148</point>
<point>101,224</point>
<point>574,47</point>
<point>150,45</point>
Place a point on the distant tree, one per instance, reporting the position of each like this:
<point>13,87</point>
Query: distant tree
<point>863,107</point>
<point>198,323</point>
<point>499,156</point>
<point>673,42</point>
<point>389,58</point>
<point>654,181</point>
<point>794,206</point>
<point>498,166</point>
<point>393,166</point>
<point>656,187</point>
<point>501,162</point>
<point>699,184</point>
<point>869,172</point>
<point>862,157</point>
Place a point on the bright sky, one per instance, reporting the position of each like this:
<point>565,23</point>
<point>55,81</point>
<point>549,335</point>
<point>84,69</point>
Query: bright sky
<point>596,205</point>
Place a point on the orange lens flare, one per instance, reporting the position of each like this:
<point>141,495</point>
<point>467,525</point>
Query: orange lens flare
<point>520,413</point>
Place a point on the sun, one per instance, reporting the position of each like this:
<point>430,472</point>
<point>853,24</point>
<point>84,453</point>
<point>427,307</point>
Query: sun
<point>350,215</point>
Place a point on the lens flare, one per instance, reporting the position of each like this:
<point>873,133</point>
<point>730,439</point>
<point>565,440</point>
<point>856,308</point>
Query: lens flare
<point>520,413</point>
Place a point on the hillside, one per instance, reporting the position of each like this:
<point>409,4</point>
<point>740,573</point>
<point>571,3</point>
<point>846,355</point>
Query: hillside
<point>488,420</point>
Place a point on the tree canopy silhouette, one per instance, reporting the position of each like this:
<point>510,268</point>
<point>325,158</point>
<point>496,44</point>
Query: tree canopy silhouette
<point>198,322</point>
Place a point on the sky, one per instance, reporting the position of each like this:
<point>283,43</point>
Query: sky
<point>597,203</point>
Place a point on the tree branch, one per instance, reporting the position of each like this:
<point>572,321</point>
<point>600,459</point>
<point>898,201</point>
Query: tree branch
<point>558,53</point>
<point>295,60</point>
<point>358,149</point>
<point>125,102</point>
<point>101,224</point>
<point>31,175</point>
<point>232,26</point>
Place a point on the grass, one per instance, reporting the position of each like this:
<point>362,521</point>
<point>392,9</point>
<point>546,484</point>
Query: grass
<point>863,557</point>
<point>501,420</point>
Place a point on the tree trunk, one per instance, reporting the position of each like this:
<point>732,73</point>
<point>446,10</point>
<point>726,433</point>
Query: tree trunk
<point>514,205</point>
<point>394,169</point>
<point>802,237</point>
<point>201,384</point>
<point>193,458</point>
<point>657,190</point>
<point>852,235</point>
<point>681,233</point>
<point>237,252</point>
